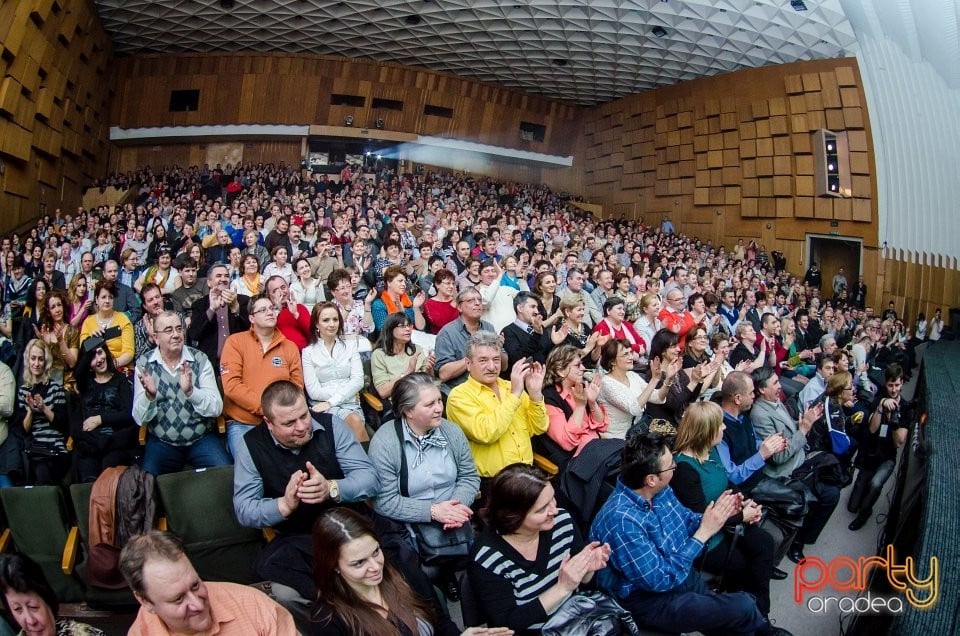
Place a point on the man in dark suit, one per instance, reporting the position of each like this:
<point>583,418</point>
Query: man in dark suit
<point>217,315</point>
<point>805,337</point>
<point>521,338</point>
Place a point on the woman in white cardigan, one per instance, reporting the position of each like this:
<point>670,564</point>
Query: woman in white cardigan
<point>623,392</point>
<point>332,369</point>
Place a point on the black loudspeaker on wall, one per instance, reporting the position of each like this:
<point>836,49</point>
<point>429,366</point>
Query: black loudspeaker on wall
<point>831,164</point>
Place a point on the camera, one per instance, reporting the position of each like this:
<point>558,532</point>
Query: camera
<point>893,417</point>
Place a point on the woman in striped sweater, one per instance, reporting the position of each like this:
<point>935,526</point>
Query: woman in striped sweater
<point>530,558</point>
<point>42,407</point>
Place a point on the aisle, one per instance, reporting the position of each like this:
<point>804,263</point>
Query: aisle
<point>835,541</point>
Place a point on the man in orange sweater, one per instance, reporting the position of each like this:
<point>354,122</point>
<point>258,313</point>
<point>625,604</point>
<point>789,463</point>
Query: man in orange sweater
<point>250,362</point>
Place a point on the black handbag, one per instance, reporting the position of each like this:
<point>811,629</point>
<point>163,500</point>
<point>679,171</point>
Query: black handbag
<point>434,544</point>
<point>820,468</point>
<point>787,499</point>
<point>590,613</point>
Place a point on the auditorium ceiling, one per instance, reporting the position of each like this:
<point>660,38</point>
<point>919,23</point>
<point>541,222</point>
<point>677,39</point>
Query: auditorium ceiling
<point>584,51</point>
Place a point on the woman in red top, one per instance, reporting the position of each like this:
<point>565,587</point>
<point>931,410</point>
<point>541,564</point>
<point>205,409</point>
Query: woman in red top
<point>615,325</point>
<point>442,308</point>
<point>293,321</point>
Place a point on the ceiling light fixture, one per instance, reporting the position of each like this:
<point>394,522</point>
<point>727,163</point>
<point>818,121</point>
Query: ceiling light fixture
<point>659,31</point>
<point>559,62</point>
<point>798,5</point>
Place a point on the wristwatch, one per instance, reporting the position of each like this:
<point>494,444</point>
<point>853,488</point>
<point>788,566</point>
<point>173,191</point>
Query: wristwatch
<point>334,491</point>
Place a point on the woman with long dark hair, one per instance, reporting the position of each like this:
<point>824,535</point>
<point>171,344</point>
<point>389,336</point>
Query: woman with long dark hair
<point>104,432</point>
<point>360,594</point>
<point>61,338</point>
<point>396,355</point>
<point>32,312</point>
<point>332,369</point>
<point>158,243</point>
<point>545,287</point>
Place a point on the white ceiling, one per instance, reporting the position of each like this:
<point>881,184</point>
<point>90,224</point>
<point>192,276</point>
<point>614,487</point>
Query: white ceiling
<point>582,51</point>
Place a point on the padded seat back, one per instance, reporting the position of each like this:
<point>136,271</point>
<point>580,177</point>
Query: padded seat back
<point>199,509</point>
<point>39,525</point>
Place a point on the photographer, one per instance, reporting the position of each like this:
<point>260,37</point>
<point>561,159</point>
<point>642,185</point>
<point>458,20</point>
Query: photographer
<point>887,431</point>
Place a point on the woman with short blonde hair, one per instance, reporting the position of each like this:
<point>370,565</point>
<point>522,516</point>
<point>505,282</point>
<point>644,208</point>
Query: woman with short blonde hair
<point>698,480</point>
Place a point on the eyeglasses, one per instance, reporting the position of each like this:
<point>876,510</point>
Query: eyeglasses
<point>265,310</point>
<point>667,470</point>
<point>169,331</point>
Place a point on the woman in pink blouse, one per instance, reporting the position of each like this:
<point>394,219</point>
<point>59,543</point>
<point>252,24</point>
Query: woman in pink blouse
<point>576,417</point>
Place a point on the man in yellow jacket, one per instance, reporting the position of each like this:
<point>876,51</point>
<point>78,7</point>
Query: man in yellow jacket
<point>498,416</point>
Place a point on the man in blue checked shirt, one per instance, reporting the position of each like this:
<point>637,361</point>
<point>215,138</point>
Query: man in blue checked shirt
<point>654,541</point>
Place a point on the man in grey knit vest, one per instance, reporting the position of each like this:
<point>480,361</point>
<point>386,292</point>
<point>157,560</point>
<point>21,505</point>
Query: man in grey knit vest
<point>176,397</point>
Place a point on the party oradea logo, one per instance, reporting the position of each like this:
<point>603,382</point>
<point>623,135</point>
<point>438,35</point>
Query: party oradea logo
<point>814,579</point>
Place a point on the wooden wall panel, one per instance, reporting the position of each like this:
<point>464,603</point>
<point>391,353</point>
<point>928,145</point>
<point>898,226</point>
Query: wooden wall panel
<point>751,169</point>
<point>916,285</point>
<point>263,88</point>
<point>54,105</point>
<point>196,154</point>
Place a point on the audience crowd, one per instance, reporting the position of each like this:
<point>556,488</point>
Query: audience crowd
<point>261,318</point>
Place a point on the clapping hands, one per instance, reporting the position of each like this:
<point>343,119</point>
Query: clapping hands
<point>575,569</point>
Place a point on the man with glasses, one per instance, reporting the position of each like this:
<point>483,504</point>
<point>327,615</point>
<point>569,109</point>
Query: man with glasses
<point>451,346</point>
<point>176,397</point>
<point>214,317</point>
<point>654,541</point>
<point>251,361</point>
